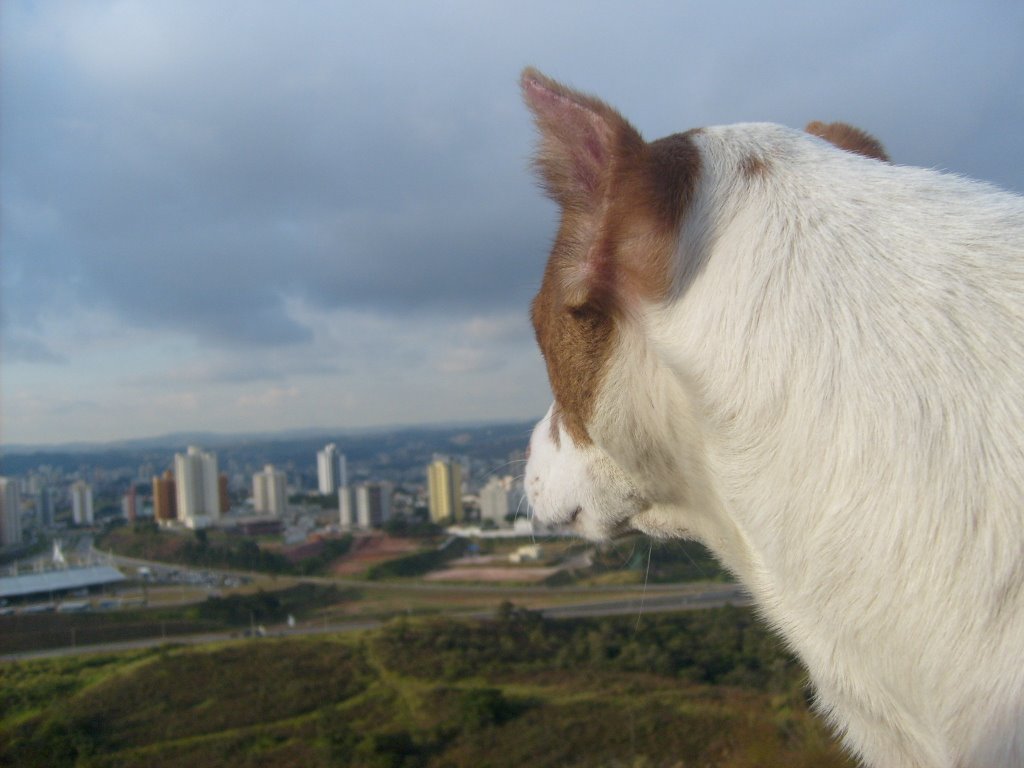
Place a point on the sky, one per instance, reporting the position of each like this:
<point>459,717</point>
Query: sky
<point>248,216</point>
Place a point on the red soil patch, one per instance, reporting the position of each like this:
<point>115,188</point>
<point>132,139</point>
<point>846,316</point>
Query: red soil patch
<point>370,549</point>
<point>304,550</point>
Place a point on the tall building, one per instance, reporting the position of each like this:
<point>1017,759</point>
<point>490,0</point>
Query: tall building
<point>81,503</point>
<point>130,504</point>
<point>331,470</point>
<point>444,486</point>
<point>10,512</point>
<point>373,504</point>
<point>494,499</point>
<point>46,502</point>
<point>165,504</point>
<point>197,485</point>
<point>346,507</point>
<point>270,491</point>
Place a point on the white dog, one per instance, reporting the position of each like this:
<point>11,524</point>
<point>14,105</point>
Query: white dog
<point>813,362</point>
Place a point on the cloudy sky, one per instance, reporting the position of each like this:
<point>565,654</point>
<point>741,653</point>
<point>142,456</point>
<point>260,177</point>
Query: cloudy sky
<point>249,216</point>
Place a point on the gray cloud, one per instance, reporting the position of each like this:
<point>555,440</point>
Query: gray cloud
<point>23,348</point>
<point>195,191</point>
<point>237,174</point>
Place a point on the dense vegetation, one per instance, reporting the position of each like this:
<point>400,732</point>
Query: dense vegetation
<point>708,688</point>
<point>406,528</point>
<point>724,646</point>
<point>661,562</point>
<point>300,601</point>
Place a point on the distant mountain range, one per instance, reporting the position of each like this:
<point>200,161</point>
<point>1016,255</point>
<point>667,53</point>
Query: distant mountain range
<point>395,453</point>
<point>179,440</point>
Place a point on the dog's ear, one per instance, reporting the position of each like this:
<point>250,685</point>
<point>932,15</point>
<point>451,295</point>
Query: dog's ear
<point>851,139</point>
<point>584,145</point>
<point>582,140</point>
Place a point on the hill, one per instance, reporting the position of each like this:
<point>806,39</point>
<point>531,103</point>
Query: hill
<point>707,688</point>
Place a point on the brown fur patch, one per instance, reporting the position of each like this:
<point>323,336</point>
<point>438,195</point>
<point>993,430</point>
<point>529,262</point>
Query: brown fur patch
<point>576,343</point>
<point>659,194</point>
<point>616,240</point>
<point>754,167</point>
<point>849,138</point>
<point>556,436</point>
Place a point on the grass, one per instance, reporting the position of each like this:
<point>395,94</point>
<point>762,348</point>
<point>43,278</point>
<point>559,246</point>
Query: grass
<point>515,691</point>
<point>29,692</point>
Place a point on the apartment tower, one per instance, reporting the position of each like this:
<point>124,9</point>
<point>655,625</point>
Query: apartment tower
<point>330,469</point>
<point>197,485</point>
<point>81,503</point>
<point>165,504</point>
<point>270,492</point>
<point>10,512</point>
<point>373,504</point>
<point>444,486</point>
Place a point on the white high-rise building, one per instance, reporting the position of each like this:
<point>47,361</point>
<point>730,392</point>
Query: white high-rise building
<point>331,470</point>
<point>270,491</point>
<point>197,485</point>
<point>81,503</point>
<point>346,507</point>
<point>494,499</point>
<point>10,512</point>
<point>373,504</point>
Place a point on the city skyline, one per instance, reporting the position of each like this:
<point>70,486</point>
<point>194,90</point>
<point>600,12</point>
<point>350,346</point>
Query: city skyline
<point>231,219</point>
<point>195,494</point>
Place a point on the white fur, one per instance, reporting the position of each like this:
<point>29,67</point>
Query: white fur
<point>833,401</point>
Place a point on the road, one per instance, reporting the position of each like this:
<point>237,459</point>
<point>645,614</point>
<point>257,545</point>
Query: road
<point>573,602</point>
<point>710,596</point>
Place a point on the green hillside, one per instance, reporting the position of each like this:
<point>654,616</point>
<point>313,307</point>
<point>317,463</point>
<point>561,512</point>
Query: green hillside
<point>705,688</point>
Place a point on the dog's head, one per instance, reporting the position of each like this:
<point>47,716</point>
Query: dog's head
<point>620,447</point>
<point>621,200</point>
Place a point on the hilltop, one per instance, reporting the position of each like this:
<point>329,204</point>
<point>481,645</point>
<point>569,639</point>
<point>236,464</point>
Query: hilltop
<point>708,688</point>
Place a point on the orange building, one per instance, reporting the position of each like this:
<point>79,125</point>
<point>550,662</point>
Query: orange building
<point>165,498</point>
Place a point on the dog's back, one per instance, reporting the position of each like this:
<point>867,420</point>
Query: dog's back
<point>867,403</point>
<point>827,388</point>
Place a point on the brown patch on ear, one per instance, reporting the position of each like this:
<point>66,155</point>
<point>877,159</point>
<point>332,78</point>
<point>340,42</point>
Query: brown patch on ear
<point>849,138</point>
<point>642,227</point>
<point>628,246</point>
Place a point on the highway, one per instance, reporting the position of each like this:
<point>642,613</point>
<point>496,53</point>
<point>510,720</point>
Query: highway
<point>572,602</point>
<point>707,596</point>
